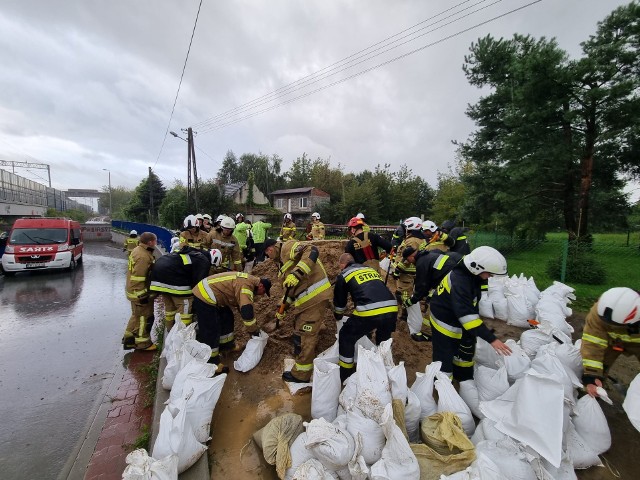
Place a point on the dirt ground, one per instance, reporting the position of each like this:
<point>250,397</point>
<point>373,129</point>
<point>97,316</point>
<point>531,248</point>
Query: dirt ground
<point>249,400</point>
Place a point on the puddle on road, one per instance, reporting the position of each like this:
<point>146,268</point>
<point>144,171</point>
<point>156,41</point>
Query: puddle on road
<point>248,402</point>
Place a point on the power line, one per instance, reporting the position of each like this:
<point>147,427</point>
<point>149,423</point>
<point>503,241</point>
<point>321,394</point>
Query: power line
<point>179,84</point>
<point>334,65</point>
<point>217,127</point>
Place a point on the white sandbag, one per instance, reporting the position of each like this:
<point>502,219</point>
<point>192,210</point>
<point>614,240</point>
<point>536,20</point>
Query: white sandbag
<point>414,318</point>
<point>412,415</point>
<point>372,382</point>
<point>486,430</point>
<point>202,395</point>
<point>531,340</point>
<point>496,295</point>
<point>423,388</point>
<point>483,468</point>
<point>517,363</point>
<point>631,403</point>
<point>252,353</point>
<point>564,472</point>
<point>190,349</point>
<point>591,424</point>
<point>490,383</point>
<point>299,455</point>
<point>568,354</point>
<point>552,310</point>
<point>174,362</point>
<point>579,451</point>
<point>485,354</point>
<point>173,340</point>
<point>514,415</point>
<point>326,390</point>
<point>532,294</point>
<point>373,439</point>
<point>450,401</point>
<point>348,395</point>
<point>331,354</point>
<point>332,445</point>
<point>485,306</point>
<point>546,362</point>
<point>195,368</point>
<point>357,466</point>
<point>398,460</point>
<point>508,457</point>
<point>398,381</point>
<point>140,466</point>
<point>364,342</point>
<point>384,349</point>
<point>385,266</point>
<point>469,393</point>
<point>176,437</point>
<point>312,469</point>
<point>517,311</point>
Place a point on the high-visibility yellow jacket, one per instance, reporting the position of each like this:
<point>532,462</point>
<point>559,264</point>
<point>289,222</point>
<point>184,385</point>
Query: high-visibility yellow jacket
<point>141,261</point>
<point>288,231</point>
<point>130,243</point>
<point>229,247</point>
<point>598,337</point>
<point>194,240</point>
<point>317,231</point>
<point>302,259</point>
<point>230,289</point>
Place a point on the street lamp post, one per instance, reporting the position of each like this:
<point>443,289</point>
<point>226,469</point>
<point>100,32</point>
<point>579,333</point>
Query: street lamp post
<point>110,211</point>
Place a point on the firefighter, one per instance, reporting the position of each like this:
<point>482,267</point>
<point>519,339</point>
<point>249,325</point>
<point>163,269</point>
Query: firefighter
<point>206,223</point>
<point>404,273</point>
<point>130,242</point>
<point>454,316</point>
<point>307,288</point>
<point>458,236</point>
<point>436,238</point>
<point>431,267</point>
<point>259,231</point>
<point>364,246</point>
<point>222,238</point>
<point>174,275</point>
<point>141,259</point>
<point>214,297</point>
<point>288,230</point>
<point>611,329</point>
<point>365,227</point>
<point>317,228</point>
<point>191,234</point>
<point>375,308</point>
<point>242,232</point>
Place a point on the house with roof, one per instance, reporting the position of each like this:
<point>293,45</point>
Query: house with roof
<point>239,192</point>
<point>300,202</point>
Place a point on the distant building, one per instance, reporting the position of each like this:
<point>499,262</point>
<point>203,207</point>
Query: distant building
<point>239,191</point>
<point>300,202</point>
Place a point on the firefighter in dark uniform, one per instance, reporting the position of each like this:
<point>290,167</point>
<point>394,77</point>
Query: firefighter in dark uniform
<point>175,274</point>
<point>455,320</point>
<point>375,308</point>
<point>308,289</point>
<point>222,238</point>
<point>611,329</point>
<point>364,246</point>
<point>458,236</point>
<point>431,267</point>
<point>137,334</point>
<point>405,273</point>
<point>191,234</point>
<point>214,297</point>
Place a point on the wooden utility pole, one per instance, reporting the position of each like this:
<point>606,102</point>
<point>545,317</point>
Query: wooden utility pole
<point>150,196</point>
<point>191,160</point>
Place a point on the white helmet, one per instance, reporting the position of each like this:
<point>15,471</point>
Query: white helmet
<point>429,226</point>
<point>175,244</point>
<point>620,305</point>
<point>133,232</point>
<point>287,216</point>
<point>360,215</point>
<point>190,221</point>
<point>199,216</point>
<point>219,218</point>
<point>315,215</point>
<point>413,223</point>
<point>227,222</point>
<point>206,216</point>
<point>238,215</point>
<point>216,257</point>
<point>486,259</point>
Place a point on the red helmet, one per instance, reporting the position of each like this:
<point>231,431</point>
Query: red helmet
<point>355,222</point>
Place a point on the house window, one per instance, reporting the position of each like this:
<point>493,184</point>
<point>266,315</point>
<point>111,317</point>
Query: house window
<point>303,202</point>
<point>279,202</point>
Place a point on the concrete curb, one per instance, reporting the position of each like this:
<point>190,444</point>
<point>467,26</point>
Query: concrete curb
<point>200,469</point>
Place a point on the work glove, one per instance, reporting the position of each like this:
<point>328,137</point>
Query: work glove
<point>279,316</point>
<point>291,281</point>
<point>256,333</point>
<point>143,300</point>
<point>337,316</point>
<point>396,274</point>
<point>406,302</point>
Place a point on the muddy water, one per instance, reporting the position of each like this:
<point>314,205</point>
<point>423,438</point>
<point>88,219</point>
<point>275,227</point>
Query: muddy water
<point>248,402</point>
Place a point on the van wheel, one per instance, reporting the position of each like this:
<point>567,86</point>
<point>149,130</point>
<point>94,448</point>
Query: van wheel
<point>9,274</point>
<point>80,259</point>
<point>72,265</point>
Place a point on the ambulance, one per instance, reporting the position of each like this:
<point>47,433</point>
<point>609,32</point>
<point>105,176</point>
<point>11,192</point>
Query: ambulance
<point>37,243</point>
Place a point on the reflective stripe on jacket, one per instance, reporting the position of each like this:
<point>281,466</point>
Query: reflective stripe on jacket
<point>369,293</point>
<point>141,260</point>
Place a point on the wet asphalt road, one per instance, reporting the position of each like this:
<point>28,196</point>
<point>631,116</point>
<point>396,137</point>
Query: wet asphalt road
<point>60,346</point>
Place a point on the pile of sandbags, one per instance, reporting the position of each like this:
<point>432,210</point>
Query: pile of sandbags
<point>510,299</point>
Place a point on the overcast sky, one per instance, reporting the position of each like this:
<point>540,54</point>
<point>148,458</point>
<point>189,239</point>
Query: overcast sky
<point>90,85</point>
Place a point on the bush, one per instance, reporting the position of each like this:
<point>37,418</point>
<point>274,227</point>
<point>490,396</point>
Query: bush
<point>582,267</point>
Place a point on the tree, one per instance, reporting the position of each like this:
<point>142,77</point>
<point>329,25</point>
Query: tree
<point>553,133</point>
<point>174,206</point>
<point>299,175</point>
<point>449,198</point>
<point>150,191</point>
<point>228,173</point>
<point>120,197</point>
